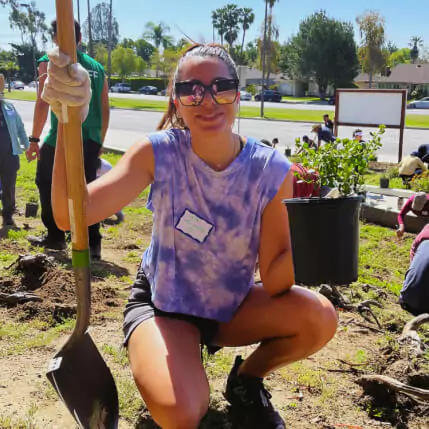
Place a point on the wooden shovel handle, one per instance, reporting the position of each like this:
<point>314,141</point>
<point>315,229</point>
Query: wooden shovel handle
<point>72,135</point>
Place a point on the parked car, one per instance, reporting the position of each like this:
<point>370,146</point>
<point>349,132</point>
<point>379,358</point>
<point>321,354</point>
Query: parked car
<point>245,96</point>
<point>121,87</point>
<point>331,100</point>
<point>423,103</point>
<point>17,84</point>
<point>32,84</point>
<point>269,95</point>
<point>163,92</point>
<point>148,90</point>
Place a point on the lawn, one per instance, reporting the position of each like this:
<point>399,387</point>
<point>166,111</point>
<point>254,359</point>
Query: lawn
<point>318,392</point>
<point>298,115</point>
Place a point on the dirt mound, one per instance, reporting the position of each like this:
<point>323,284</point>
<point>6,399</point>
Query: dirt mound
<point>38,288</point>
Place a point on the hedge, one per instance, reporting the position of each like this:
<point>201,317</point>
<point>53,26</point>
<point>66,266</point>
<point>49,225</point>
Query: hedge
<point>137,82</point>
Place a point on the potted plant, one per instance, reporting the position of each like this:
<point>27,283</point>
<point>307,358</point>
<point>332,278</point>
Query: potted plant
<point>384,181</point>
<point>325,230</point>
<point>31,207</point>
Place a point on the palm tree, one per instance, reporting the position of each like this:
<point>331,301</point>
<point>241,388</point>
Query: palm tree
<point>371,26</point>
<point>269,3</point>
<point>90,47</point>
<point>232,16</point>
<point>158,34</point>
<point>218,21</point>
<point>415,43</point>
<point>246,19</point>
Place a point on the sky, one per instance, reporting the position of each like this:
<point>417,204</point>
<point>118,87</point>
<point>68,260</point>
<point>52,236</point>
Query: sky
<point>193,17</point>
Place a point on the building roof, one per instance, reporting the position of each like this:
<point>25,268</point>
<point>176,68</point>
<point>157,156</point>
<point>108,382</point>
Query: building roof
<point>416,74</point>
<point>364,77</point>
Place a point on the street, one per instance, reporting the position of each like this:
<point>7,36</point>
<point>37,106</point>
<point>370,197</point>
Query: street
<point>128,126</point>
<point>298,105</point>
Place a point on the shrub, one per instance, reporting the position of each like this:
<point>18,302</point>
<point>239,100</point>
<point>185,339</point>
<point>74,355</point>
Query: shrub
<point>420,183</point>
<point>341,164</point>
<point>137,82</point>
<point>251,89</point>
<point>392,172</point>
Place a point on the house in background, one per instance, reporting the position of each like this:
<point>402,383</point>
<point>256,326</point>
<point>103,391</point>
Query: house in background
<point>407,76</point>
<point>286,85</point>
<point>362,80</point>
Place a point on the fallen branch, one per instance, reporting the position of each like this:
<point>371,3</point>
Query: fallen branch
<point>411,337</point>
<point>338,300</point>
<point>414,393</point>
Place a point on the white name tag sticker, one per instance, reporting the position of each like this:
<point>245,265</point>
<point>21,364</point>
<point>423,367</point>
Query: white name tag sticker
<point>194,227</point>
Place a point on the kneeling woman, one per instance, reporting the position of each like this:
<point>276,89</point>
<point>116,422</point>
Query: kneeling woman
<point>217,205</point>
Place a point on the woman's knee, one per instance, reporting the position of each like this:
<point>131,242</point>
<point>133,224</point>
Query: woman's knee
<point>183,414</point>
<point>318,317</point>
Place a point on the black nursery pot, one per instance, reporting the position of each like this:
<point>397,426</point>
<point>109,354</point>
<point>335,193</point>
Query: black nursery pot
<point>384,182</point>
<point>31,209</point>
<point>325,239</point>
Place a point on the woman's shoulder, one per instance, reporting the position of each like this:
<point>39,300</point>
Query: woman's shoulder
<point>170,136</point>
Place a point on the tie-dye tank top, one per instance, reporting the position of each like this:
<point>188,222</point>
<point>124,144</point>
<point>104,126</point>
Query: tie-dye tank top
<point>206,225</point>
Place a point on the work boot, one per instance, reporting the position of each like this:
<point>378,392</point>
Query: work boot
<point>95,252</point>
<point>250,401</point>
<point>48,242</point>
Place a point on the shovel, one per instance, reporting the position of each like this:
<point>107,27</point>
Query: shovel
<point>78,372</point>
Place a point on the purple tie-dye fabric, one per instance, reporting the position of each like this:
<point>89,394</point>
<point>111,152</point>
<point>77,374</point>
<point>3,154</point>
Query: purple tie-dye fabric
<point>208,274</point>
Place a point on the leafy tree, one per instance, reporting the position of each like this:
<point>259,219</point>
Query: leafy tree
<point>8,65</point>
<point>181,44</point>
<point>158,34</point>
<point>391,47</point>
<point>125,62</point>
<point>127,43</point>
<point>401,56</point>
<point>100,15</point>
<point>251,54</point>
<point>25,54</point>
<point>415,43</point>
<point>144,50</point>
<point>371,26</point>
<point>101,54</point>
<point>324,50</point>
<point>166,62</point>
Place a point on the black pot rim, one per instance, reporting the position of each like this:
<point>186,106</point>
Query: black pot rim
<point>318,200</point>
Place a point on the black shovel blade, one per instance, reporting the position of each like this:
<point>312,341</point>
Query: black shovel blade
<point>85,384</point>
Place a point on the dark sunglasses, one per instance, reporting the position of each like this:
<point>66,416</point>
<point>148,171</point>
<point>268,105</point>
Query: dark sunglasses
<point>191,93</point>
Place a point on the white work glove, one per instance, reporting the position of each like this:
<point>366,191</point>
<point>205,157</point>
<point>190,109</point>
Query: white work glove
<point>66,85</point>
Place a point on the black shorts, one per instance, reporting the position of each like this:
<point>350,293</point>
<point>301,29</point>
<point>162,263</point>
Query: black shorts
<point>140,308</point>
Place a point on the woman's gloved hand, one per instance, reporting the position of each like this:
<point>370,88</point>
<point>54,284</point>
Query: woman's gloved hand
<point>66,85</point>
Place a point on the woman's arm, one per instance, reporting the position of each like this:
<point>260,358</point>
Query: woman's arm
<point>275,251</point>
<point>111,192</point>
<point>406,208</point>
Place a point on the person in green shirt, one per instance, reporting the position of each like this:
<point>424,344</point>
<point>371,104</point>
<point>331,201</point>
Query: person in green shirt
<point>93,132</point>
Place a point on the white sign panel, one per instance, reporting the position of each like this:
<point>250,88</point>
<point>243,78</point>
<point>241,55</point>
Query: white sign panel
<point>366,107</point>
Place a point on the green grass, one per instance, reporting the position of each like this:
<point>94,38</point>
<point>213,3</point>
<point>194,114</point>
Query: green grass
<point>383,260</point>
<point>300,99</point>
<point>294,115</point>
<point>374,179</point>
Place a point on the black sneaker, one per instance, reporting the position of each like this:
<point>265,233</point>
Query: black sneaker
<point>250,401</point>
<point>48,242</point>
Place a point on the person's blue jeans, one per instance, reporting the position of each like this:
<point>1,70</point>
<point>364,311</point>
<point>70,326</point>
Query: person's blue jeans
<point>414,296</point>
